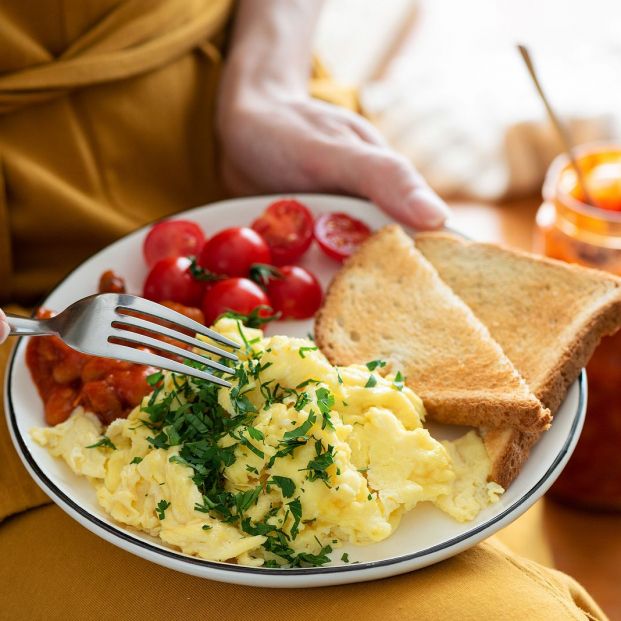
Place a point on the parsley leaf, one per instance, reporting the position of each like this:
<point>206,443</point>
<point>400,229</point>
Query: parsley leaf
<point>372,381</point>
<point>259,316</point>
<point>302,351</point>
<point>160,510</point>
<point>286,485</point>
<point>303,429</point>
<point>136,460</point>
<point>375,363</point>
<point>325,400</point>
<point>399,381</point>
<point>345,557</point>
<point>295,506</point>
<point>105,442</point>
<point>155,378</point>
<point>255,433</point>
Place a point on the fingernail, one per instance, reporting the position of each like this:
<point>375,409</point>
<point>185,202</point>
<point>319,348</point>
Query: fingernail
<point>428,209</point>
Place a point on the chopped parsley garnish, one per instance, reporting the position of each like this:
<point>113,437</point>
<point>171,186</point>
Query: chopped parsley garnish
<point>307,383</point>
<point>303,429</point>
<point>375,363</point>
<point>287,486</point>
<point>399,381</point>
<point>206,527</point>
<point>105,442</point>
<point>372,381</point>
<point>258,317</point>
<point>318,466</point>
<point>345,557</point>
<point>208,439</point>
<point>155,378</point>
<point>136,460</point>
<point>302,351</point>
<point>325,400</point>
<point>295,506</point>
<point>301,401</point>
<point>160,510</point>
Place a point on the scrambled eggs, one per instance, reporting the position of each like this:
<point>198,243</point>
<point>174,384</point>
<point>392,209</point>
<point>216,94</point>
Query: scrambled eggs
<point>298,457</point>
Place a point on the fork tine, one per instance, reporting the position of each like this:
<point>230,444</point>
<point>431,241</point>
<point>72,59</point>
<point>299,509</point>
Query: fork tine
<point>131,302</point>
<point>138,356</point>
<point>136,322</point>
<point>139,339</point>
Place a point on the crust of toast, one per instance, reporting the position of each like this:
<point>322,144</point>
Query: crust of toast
<point>507,449</point>
<point>576,307</point>
<point>388,302</point>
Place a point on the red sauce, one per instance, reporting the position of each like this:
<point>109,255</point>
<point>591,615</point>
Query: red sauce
<point>66,378</point>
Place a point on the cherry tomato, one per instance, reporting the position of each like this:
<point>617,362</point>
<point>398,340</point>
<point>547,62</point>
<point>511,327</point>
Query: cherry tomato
<point>236,294</point>
<point>287,227</point>
<point>232,252</point>
<point>297,295</point>
<point>172,238</point>
<point>170,279</point>
<point>339,235</point>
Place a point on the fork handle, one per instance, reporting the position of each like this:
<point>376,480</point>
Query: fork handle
<point>26,326</point>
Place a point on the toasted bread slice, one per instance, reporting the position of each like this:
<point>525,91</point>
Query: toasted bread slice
<point>547,316</point>
<point>388,302</point>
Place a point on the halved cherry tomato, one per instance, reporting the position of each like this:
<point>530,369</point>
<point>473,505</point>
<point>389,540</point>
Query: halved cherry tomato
<point>297,294</point>
<point>172,238</point>
<point>287,227</point>
<point>232,251</point>
<point>339,235</point>
<point>170,279</point>
<point>233,294</point>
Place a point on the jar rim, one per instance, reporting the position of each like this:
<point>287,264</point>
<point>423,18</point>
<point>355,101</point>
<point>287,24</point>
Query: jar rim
<point>551,184</point>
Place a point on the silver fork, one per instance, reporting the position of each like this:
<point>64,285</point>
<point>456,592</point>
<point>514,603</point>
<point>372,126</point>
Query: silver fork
<point>89,324</point>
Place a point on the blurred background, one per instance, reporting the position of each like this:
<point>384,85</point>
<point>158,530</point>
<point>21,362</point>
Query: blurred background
<point>444,82</point>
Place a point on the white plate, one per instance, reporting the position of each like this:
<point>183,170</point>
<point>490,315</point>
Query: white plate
<point>425,536</point>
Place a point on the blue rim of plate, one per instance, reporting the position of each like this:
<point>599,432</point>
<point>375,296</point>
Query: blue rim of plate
<point>59,495</point>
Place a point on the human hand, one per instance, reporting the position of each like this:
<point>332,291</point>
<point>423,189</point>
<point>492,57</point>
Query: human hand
<point>4,327</point>
<point>275,142</point>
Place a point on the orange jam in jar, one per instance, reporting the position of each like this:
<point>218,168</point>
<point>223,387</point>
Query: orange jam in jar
<point>571,230</point>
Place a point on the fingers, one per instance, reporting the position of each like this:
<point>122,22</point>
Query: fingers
<point>392,183</point>
<point>4,327</point>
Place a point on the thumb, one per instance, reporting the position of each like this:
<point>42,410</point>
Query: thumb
<point>391,182</point>
<point>4,327</point>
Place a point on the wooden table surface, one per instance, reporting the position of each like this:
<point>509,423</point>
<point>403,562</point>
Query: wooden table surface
<point>583,544</point>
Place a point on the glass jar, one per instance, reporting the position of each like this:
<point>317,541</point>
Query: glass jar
<point>572,230</point>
